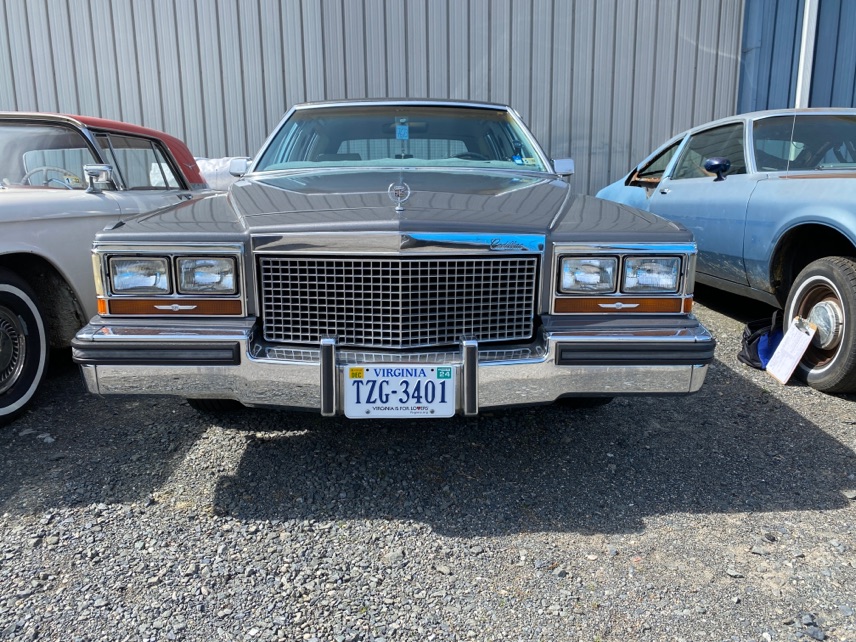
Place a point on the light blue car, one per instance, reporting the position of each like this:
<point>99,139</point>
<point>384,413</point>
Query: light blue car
<point>771,199</point>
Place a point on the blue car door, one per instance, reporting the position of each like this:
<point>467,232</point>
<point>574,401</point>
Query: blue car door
<point>714,210</point>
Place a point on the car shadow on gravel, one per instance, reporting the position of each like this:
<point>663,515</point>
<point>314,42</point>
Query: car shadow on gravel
<point>732,447</point>
<point>73,448</point>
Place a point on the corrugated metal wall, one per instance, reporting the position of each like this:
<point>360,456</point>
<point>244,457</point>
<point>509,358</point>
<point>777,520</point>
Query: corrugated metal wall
<point>603,81</point>
<point>834,78</point>
<point>771,49</point>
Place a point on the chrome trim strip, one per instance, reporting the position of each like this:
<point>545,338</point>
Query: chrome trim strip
<point>328,376</point>
<point>371,243</point>
<point>470,377</point>
<point>148,247</point>
<point>624,248</point>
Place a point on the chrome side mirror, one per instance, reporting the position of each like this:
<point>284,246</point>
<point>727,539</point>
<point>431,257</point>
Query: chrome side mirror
<point>98,176</point>
<point>564,167</point>
<point>239,166</point>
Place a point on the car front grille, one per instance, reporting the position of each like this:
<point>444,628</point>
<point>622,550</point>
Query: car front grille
<point>398,302</point>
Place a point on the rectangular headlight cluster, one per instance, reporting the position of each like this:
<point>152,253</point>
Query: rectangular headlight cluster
<point>209,275</point>
<point>639,275</point>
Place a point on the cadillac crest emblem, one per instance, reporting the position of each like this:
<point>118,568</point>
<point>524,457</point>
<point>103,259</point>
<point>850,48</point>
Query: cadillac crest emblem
<point>398,193</point>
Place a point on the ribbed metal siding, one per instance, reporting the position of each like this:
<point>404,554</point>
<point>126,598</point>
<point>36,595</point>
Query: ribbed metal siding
<point>834,77</point>
<point>603,81</point>
<point>771,48</point>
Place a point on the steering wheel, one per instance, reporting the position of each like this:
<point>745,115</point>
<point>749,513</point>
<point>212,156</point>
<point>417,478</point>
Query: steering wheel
<point>51,168</point>
<point>471,156</point>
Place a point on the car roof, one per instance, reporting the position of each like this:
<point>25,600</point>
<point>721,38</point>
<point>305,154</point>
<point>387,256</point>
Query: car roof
<point>768,113</point>
<point>383,102</point>
<point>177,147</point>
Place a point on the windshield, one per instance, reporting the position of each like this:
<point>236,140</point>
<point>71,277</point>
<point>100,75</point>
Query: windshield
<point>42,155</point>
<point>400,136</point>
<point>805,142</point>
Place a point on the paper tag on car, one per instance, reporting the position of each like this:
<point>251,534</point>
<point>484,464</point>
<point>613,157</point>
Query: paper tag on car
<point>792,348</point>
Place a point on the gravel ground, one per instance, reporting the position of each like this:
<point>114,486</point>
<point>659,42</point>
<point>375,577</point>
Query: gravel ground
<point>727,515</point>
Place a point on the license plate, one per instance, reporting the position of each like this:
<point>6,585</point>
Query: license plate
<point>399,391</point>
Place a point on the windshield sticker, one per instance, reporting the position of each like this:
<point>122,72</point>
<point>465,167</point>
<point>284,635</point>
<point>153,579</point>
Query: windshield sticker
<point>402,130</point>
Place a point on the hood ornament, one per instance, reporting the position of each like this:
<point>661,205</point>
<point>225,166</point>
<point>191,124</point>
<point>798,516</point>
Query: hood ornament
<point>398,193</point>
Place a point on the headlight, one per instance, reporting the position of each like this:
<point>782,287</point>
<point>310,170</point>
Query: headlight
<point>588,274</point>
<point>136,275</point>
<point>651,274</point>
<point>206,275</point>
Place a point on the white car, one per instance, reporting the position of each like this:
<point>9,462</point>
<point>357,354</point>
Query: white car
<point>62,179</point>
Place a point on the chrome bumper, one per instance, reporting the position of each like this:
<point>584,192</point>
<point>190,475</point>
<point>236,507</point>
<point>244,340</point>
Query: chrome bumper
<point>226,362</point>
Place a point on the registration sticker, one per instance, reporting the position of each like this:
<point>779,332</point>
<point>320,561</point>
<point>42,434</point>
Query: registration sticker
<point>399,391</point>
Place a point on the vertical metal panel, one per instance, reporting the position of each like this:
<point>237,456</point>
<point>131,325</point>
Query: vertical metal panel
<point>500,49</point>
<point>192,104</point>
<point>834,77</point>
<point>20,53</point>
<point>210,74</point>
<point>415,46</point>
<point>355,49</point>
<point>436,28</point>
<point>771,54</point>
<point>602,81</point>
<point>460,43</point>
<point>727,65</point>
<point>599,93</point>
<point>519,50</point>
<point>394,16</point>
<point>624,87</point>
<point>148,51</point>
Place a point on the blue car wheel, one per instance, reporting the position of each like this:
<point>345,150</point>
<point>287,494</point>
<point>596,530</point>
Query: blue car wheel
<point>825,294</point>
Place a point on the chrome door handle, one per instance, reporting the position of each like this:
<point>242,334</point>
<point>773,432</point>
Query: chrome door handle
<point>665,190</point>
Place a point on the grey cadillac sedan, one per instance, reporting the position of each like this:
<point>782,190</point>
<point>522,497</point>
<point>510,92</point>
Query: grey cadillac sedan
<point>406,258</point>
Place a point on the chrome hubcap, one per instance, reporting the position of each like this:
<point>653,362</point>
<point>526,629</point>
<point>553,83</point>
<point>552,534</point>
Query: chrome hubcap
<point>828,316</point>
<point>12,349</point>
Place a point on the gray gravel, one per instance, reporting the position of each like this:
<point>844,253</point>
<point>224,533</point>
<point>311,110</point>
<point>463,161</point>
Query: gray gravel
<point>727,515</point>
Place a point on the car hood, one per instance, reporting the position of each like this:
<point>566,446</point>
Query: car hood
<point>447,201</point>
<point>359,200</point>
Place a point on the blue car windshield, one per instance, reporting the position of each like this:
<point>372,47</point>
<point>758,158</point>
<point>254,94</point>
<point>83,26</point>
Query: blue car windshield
<point>805,142</point>
<point>401,136</point>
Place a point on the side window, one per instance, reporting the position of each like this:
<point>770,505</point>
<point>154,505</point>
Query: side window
<point>43,155</point>
<point>650,174</point>
<point>139,163</point>
<point>725,141</point>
